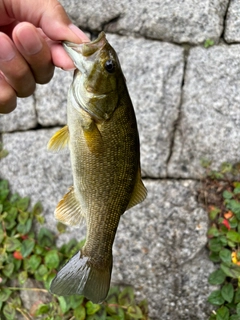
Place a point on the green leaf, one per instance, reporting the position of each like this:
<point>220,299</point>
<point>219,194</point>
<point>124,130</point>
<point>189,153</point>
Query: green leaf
<point>227,194</point>
<point>41,272</point>
<point>233,271</point>
<point>37,209</point>
<point>34,262</point>
<point>24,228</point>
<point>126,297</point>
<point>233,236</point>
<point>233,222</point>
<point>223,313</point>
<point>3,194</point>
<point>23,203</point>
<point>27,247</point>
<point>79,313</point>
<point>45,237</point>
<point>217,277</point>
<point>61,227</point>
<point>2,235</point>
<point>63,304</point>
<point>51,259</point>
<point>3,184</point>
<point>8,269</point>
<point>9,312</point>
<point>226,256</point>
<point>213,213</point>
<point>215,244</point>
<point>238,309</point>
<point>216,298</point>
<point>42,309</point>
<point>92,308</point>
<point>23,216</point>
<point>12,244</point>
<point>75,301</point>
<point>234,206</point>
<point>214,257</point>
<point>234,317</point>
<point>237,296</point>
<point>135,312</point>
<point>22,277</point>
<point>4,294</point>
<point>227,292</point>
<point>213,232</point>
<point>143,305</point>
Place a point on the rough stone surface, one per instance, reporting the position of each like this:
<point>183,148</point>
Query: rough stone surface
<point>159,248</point>
<point>22,118</point>
<point>51,99</point>
<point>232,28</point>
<point>177,21</point>
<point>209,125</point>
<point>161,260</point>
<point>156,95</point>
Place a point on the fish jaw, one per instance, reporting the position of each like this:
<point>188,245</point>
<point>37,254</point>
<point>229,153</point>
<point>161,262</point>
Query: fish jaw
<point>94,89</point>
<point>84,54</point>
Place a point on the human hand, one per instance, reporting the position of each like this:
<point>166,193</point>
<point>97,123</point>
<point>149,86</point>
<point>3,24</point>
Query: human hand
<point>30,36</point>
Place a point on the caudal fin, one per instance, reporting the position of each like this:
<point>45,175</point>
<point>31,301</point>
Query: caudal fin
<point>77,276</point>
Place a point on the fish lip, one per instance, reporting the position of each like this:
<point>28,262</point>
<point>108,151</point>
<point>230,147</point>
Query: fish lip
<point>85,47</point>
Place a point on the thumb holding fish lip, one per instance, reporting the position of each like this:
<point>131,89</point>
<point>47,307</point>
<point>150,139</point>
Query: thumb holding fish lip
<point>48,24</point>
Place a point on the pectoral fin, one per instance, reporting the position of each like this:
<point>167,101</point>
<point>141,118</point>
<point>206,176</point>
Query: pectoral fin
<point>59,140</point>
<point>68,210</point>
<point>93,138</point>
<point>139,192</point>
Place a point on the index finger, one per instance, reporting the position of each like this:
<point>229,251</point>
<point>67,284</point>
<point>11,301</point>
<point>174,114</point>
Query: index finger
<point>49,15</point>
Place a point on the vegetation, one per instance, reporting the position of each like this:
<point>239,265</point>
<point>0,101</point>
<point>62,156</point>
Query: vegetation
<point>26,254</point>
<point>222,194</point>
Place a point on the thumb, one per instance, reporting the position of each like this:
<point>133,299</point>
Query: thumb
<point>49,15</point>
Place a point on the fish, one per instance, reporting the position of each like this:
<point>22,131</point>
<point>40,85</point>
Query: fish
<point>103,140</point>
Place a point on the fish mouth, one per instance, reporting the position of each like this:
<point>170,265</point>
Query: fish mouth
<point>86,48</point>
<point>85,52</point>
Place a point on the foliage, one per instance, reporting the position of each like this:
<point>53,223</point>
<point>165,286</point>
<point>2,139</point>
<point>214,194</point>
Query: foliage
<point>25,254</point>
<point>222,195</point>
<point>208,43</point>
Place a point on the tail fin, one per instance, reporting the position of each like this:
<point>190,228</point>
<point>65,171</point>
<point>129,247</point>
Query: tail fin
<point>77,276</point>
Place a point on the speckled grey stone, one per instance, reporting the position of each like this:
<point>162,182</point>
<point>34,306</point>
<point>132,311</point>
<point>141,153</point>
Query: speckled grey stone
<point>232,24</point>
<point>159,243</point>
<point>154,73</point>
<point>209,126</point>
<point>51,99</point>
<point>22,118</point>
<point>191,21</point>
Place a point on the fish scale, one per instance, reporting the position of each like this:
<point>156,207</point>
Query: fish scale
<point>103,140</point>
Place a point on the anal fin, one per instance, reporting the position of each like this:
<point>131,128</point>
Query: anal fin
<point>59,140</point>
<point>68,210</point>
<point>139,192</point>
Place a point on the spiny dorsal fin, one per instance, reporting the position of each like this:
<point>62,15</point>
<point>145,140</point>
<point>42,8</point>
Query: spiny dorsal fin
<point>59,140</point>
<point>68,210</point>
<point>93,138</point>
<point>139,192</point>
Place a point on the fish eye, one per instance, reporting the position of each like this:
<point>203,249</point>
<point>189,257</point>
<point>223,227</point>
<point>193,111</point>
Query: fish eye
<point>110,66</point>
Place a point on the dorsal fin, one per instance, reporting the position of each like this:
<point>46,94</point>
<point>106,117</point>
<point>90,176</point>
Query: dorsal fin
<point>139,192</point>
<point>59,140</point>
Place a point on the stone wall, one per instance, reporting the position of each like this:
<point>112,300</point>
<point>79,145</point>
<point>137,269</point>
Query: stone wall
<point>186,98</point>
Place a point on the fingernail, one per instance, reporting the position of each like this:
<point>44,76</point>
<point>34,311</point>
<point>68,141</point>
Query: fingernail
<point>30,40</point>
<point>7,52</point>
<point>79,33</point>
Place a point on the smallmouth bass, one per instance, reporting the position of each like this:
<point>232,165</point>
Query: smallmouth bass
<point>103,140</point>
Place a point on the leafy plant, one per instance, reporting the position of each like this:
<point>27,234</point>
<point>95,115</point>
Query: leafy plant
<point>222,195</point>
<point>26,255</point>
